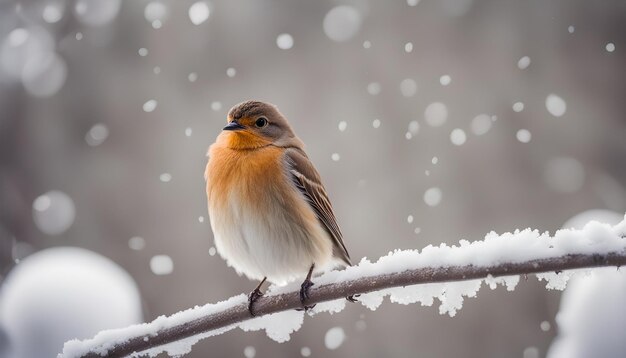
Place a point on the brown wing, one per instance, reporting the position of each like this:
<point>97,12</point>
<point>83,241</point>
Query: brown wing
<point>308,181</point>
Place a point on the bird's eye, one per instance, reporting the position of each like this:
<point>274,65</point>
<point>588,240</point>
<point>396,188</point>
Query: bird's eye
<point>261,122</point>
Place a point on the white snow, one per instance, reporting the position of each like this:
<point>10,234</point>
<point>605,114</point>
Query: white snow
<point>231,72</point>
<point>592,318</point>
<point>408,47</point>
<point>436,114</point>
<point>518,106</point>
<point>52,13</point>
<point>45,75</point>
<point>334,338</point>
<point>64,293</point>
<point>481,124</point>
<point>432,196</point>
<point>150,105</point>
<point>95,12</point>
<point>54,212</point>
<point>610,47</point>
<point>376,123</point>
<point>523,135</point>
<point>97,134</point>
<point>249,352</point>
<point>342,23</point>
<point>165,177</point>
<point>137,243</point>
<point>161,265</point>
<point>342,126</point>
<point>523,63</point>
<point>445,80</point>
<point>284,41</point>
<point>216,105</point>
<point>373,88</point>
<point>335,157</point>
<point>555,105</point>
<point>516,247</point>
<point>408,87</point>
<point>199,12</point>
<point>458,136</point>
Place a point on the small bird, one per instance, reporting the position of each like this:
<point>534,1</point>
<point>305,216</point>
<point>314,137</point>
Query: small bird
<point>269,212</point>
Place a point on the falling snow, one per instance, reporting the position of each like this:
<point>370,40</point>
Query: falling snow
<point>610,47</point>
<point>334,338</point>
<point>523,135</point>
<point>408,87</point>
<point>436,114</point>
<point>432,196</point>
<point>523,63</point>
<point>458,136</point>
<point>555,105</point>
<point>97,135</point>
<point>165,177</point>
<point>284,41</point>
<point>54,212</point>
<point>342,23</point>
<point>373,88</point>
<point>481,124</point>
<point>137,243</point>
<point>161,265</point>
<point>150,105</point>
<point>199,12</point>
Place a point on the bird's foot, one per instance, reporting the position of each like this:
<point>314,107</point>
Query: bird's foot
<point>352,298</point>
<point>304,294</point>
<point>253,297</point>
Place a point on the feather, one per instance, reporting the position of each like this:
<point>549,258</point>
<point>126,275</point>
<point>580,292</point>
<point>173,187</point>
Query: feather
<point>308,181</point>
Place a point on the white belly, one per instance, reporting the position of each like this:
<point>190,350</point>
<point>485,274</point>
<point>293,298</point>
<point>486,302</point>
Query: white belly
<point>269,242</point>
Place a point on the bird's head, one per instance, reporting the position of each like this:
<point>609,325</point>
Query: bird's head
<point>255,124</point>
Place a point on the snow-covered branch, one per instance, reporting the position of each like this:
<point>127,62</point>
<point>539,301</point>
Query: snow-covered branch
<point>445,272</point>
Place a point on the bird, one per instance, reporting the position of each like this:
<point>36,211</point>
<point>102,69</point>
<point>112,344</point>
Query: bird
<point>270,214</point>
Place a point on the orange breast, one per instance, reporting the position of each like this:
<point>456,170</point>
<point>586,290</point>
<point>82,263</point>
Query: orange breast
<point>253,173</point>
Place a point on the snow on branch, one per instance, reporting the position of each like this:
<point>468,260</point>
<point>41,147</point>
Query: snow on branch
<point>446,273</point>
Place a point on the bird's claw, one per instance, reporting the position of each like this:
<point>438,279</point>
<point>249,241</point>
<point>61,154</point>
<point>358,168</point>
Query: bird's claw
<point>253,297</point>
<point>304,294</point>
<point>352,298</point>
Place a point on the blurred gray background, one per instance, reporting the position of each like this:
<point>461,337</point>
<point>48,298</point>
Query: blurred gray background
<point>79,81</point>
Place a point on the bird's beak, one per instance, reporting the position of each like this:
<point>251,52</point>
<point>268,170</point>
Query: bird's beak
<point>233,126</point>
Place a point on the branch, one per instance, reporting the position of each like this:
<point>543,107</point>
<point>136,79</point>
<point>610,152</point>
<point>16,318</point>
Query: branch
<point>595,246</point>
